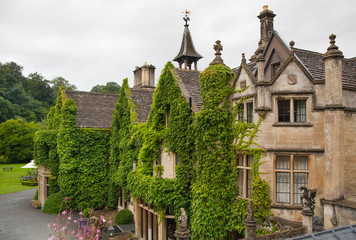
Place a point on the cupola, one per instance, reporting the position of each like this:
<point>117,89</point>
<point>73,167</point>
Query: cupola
<point>187,54</point>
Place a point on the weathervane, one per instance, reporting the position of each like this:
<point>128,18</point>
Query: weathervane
<point>186,17</point>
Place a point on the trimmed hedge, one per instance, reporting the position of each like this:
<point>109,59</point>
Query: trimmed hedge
<point>124,216</point>
<point>53,204</point>
<point>29,183</point>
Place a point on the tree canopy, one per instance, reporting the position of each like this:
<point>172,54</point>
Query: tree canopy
<point>16,140</point>
<point>110,87</point>
<point>26,97</point>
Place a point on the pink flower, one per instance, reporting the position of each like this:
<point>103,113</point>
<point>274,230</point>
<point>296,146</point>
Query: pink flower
<point>81,213</point>
<point>75,221</point>
<point>98,231</point>
<point>53,225</point>
<point>64,213</point>
<point>110,222</point>
<point>101,217</point>
<point>63,228</point>
<point>51,238</point>
<point>73,232</point>
<point>69,218</point>
<point>48,225</point>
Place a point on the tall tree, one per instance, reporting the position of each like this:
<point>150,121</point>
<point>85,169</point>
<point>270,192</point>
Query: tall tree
<point>16,141</point>
<point>57,82</point>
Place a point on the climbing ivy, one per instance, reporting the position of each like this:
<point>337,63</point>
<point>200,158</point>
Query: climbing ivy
<point>219,137</point>
<point>123,145</point>
<point>168,128</point>
<point>78,158</point>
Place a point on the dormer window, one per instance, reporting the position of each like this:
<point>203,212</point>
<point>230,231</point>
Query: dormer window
<point>274,68</point>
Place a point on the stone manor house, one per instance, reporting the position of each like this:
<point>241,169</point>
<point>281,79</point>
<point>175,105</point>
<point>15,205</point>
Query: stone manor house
<point>307,101</point>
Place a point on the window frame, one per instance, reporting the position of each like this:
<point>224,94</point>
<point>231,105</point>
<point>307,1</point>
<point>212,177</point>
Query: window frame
<point>246,110</point>
<point>246,169</point>
<point>292,171</point>
<point>292,110</point>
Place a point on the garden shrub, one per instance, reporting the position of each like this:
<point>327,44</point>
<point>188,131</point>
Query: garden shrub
<point>87,212</point>
<point>53,204</point>
<point>82,206</point>
<point>124,216</point>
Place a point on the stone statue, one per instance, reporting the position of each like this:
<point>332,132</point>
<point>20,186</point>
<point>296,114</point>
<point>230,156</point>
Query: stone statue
<point>307,199</point>
<point>93,222</point>
<point>183,219</point>
<point>182,232</point>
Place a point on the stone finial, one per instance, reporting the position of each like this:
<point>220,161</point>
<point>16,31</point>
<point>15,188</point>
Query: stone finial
<point>243,60</point>
<point>333,50</point>
<point>218,48</point>
<point>291,45</point>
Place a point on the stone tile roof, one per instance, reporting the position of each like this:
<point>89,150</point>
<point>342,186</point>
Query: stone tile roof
<point>94,109</point>
<point>142,98</point>
<point>345,233</point>
<point>188,81</point>
<point>314,62</point>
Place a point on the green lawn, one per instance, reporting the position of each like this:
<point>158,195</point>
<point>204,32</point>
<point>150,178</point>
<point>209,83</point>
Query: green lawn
<point>10,180</point>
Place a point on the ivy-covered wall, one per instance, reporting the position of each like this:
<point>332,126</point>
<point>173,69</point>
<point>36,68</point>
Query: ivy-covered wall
<point>143,143</point>
<point>207,143</point>
<point>78,158</point>
<point>89,165</point>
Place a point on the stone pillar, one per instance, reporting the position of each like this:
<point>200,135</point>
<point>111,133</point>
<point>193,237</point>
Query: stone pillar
<point>334,123</point>
<point>137,215</point>
<point>145,225</point>
<point>196,65</point>
<point>162,230</point>
<point>155,228</point>
<point>149,225</point>
<point>250,223</point>
<point>308,216</point>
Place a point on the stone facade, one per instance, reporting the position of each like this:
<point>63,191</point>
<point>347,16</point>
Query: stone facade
<point>308,105</point>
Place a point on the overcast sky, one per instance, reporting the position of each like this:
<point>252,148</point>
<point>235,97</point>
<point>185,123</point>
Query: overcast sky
<point>90,42</point>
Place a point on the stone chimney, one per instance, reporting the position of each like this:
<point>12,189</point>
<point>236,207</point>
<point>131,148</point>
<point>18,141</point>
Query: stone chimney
<point>266,24</point>
<point>144,76</point>
<point>266,30</point>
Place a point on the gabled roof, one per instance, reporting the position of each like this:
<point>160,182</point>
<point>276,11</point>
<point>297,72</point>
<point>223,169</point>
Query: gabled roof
<point>142,98</point>
<point>95,110</point>
<point>314,62</point>
<point>188,82</point>
<point>187,48</point>
<point>249,68</point>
